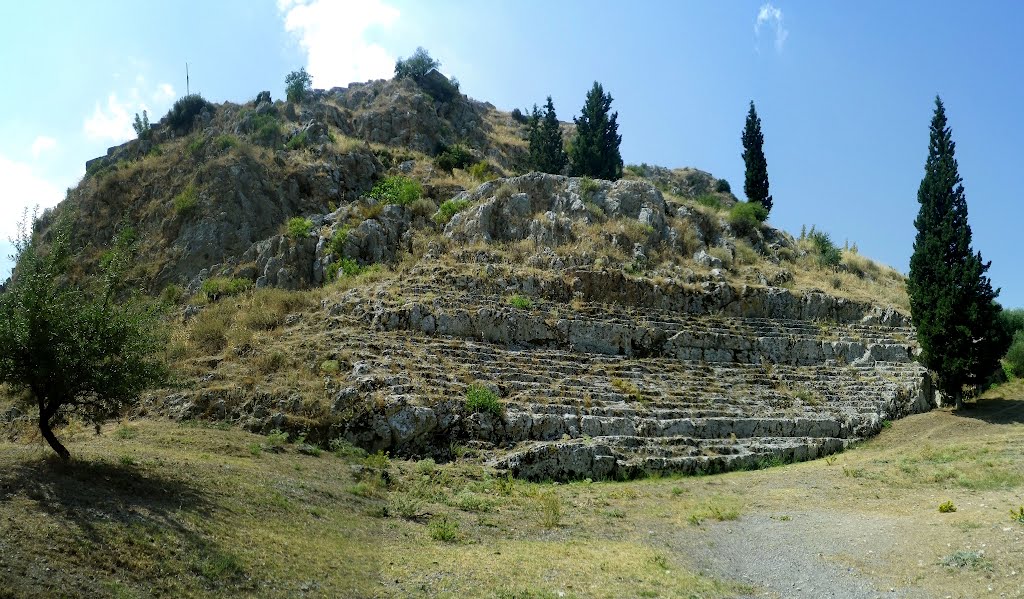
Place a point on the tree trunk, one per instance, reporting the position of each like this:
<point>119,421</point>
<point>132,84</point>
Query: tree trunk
<point>958,397</point>
<point>44,428</point>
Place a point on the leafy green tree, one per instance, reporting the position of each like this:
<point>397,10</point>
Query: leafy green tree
<point>89,349</point>
<point>416,66</point>
<point>547,154</point>
<point>297,85</point>
<point>755,183</point>
<point>951,300</point>
<point>595,147</point>
<point>141,125</point>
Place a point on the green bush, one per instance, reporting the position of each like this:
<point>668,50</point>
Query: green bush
<point>711,201</point>
<point>746,217</point>
<point>1013,320</point>
<point>722,186</point>
<point>299,227</point>
<point>298,141</point>
<point>186,201</point>
<point>184,112</point>
<point>443,528</point>
<point>195,145</point>
<point>416,66</point>
<point>947,507</point>
<point>338,239</point>
<point>344,267</point>
<point>1015,356</point>
<point>828,254</point>
<point>481,171</point>
<point>520,301</point>
<point>453,157</point>
<point>588,187</point>
<point>396,190</point>
<point>215,288</point>
<point>141,126</point>
<point>448,209</point>
<point>297,85</point>
<point>481,400</point>
<point>264,128</point>
<point>225,142</point>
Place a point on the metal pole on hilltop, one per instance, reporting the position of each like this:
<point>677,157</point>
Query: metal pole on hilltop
<point>187,91</point>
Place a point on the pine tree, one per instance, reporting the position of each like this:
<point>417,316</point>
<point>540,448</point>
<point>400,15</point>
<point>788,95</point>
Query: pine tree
<point>595,147</point>
<point>755,183</point>
<point>546,152</point>
<point>951,300</point>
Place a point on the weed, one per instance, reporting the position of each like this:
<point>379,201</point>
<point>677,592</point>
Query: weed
<point>448,209</point>
<point>271,362</point>
<point>215,288</point>
<point>830,460</point>
<point>626,387</point>
<point>947,507</point>
<point>1017,515</point>
<point>975,560</point>
<point>426,466</point>
<point>276,440</point>
<point>298,227</point>
<point>550,509</point>
<point>453,157</point>
<point>853,472</point>
<point>481,171</point>
<point>127,460</point>
<point>298,142</point>
<point>405,506</point>
<point>588,188</point>
<point>520,301</point>
<point>506,485</point>
<point>887,424</point>
<point>710,200</point>
<point>396,190</point>
<point>344,449</point>
<point>126,432</point>
<point>445,529</point>
<point>225,142</point>
<point>330,367</point>
<point>186,201</point>
<point>481,400</point>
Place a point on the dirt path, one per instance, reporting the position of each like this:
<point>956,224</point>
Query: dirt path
<point>803,554</point>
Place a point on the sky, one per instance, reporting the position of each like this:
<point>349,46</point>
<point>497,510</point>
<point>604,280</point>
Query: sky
<point>845,91</point>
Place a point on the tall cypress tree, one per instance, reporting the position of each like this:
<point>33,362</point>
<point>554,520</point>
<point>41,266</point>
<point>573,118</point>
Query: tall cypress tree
<point>951,300</point>
<point>755,182</point>
<point>546,152</point>
<point>595,147</point>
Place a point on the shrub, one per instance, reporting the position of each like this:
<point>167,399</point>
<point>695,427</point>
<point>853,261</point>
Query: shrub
<point>711,201</point>
<point>299,227</point>
<point>481,171</point>
<point>947,507</point>
<point>588,187</point>
<point>297,142</point>
<point>338,239</point>
<point>448,209</point>
<point>519,117</point>
<point>627,387</point>
<point>520,301</point>
<point>344,267</point>
<point>481,400</point>
<point>416,66</point>
<point>396,190</point>
<point>187,200</point>
<point>264,128</point>
<point>297,84</point>
<point>172,295</point>
<point>453,157</point>
<point>215,288</point>
<point>443,528</point>
<point>745,218</point>
<point>184,112</point>
<point>1015,356</point>
<point>828,254</point>
<point>722,186</point>
<point>551,509</point>
<point>1017,515</point>
<point>263,96</point>
<point>1013,320</point>
<point>195,146</point>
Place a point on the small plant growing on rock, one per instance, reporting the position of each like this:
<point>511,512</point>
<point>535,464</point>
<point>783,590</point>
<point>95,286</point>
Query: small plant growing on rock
<point>448,209</point>
<point>299,227</point>
<point>454,157</point>
<point>481,400</point>
<point>947,507</point>
<point>481,171</point>
<point>627,387</point>
<point>520,301</point>
<point>975,560</point>
<point>186,201</point>
<point>276,440</point>
<point>396,190</point>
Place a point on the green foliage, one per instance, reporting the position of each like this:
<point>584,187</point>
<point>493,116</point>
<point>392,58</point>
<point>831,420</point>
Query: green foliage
<point>722,186</point>
<point>453,157</point>
<point>416,66</point>
<point>172,295</point>
<point>299,141</point>
<point>344,267</point>
<point>829,255</point>
<point>588,187</point>
<point>396,190</point>
<point>711,201</point>
<point>947,507</point>
<point>481,400</point>
<point>547,153</point>
<point>481,171</point>
<point>225,142</point>
<point>183,114</point>
<point>448,209</point>
<point>519,117</point>
<point>299,227</point>
<point>443,528</point>
<point>186,201</point>
<point>215,288</point>
<point>951,300</point>
<point>1017,515</point>
<point>265,129</point>
<point>89,349</point>
<point>975,560</point>
<point>297,85</point>
<point>550,509</point>
<point>195,145</point>
<point>520,301</point>
<point>594,151</point>
<point>338,239</point>
<point>755,181</point>
<point>745,218</point>
<point>141,126</point>
<point>1015,356</point>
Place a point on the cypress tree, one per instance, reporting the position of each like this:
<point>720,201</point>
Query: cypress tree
<point>755,183</point>
<point>546,152</point>
<point>595,147</point>
<point>951,300</point>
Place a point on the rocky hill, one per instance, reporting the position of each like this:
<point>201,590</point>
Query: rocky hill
<point>552,326</point>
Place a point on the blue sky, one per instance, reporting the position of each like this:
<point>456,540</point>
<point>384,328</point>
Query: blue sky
<point>845,90</point>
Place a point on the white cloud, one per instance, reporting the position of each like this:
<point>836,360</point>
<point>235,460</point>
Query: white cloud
<point>772,17</point>
<point>23,188</point>
<point>164,93</point>
<point>42,144</point>
<point>333,36</point>
<point>114,123</point>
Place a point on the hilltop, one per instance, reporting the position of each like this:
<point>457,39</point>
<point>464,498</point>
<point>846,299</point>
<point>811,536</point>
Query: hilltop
<point>373,264</point>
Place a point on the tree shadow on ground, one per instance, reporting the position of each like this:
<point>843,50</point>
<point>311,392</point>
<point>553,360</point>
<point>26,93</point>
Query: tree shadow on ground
<point>114,520</point>
<point>994,410</point>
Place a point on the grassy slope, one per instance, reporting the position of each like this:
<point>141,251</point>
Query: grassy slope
<point>177,510</point>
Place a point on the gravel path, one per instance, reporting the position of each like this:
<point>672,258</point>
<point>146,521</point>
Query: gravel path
<point>805,555</point>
